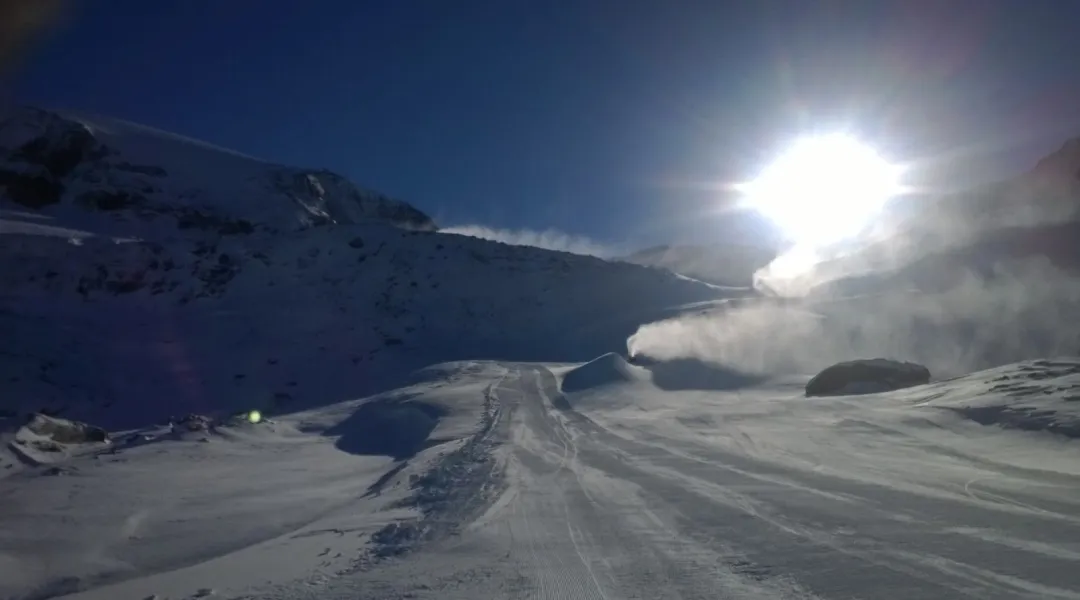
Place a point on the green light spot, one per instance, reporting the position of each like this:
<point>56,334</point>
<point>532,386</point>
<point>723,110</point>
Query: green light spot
<point>254,416</point>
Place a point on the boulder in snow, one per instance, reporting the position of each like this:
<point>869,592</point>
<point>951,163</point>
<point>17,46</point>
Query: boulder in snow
<point>63,431</point>
<point>867,376</point>
<point>193,422</point>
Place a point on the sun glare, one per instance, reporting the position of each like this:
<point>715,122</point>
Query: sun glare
<point>823,189</point>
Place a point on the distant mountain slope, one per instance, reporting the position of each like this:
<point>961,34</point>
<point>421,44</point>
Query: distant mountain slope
<point>720,264</point>
<point>127,312</point>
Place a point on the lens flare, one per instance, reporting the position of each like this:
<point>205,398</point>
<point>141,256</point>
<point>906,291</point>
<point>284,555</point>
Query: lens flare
<point>823,189</point>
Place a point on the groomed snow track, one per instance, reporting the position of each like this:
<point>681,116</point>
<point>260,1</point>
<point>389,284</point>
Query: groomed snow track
<point>589,511</point>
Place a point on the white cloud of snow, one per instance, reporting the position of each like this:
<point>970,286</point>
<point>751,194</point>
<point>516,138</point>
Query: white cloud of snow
<point>1027,309</point>
<point>548,239</point>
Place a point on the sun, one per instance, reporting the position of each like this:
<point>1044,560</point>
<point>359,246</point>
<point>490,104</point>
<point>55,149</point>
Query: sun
<point>823,189</point>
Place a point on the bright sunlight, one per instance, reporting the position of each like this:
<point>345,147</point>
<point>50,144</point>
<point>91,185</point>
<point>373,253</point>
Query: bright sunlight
<point>823,189</point>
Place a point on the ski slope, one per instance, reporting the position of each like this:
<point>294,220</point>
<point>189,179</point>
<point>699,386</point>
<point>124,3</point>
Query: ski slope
<point>616,490</point>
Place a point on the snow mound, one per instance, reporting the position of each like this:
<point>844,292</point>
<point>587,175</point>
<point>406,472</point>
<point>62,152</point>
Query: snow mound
<point>609,369</point>
<point>388,427</point>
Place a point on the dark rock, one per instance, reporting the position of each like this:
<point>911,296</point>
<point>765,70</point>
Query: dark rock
<point>61,154</point>
<point>867,376</point>
<point>151,170</point>
<point>194,422</point>
<point>110,200</point>
<point>31,191</point>
<point>64,431</point>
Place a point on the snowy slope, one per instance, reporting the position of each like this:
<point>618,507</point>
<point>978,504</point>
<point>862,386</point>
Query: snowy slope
<point>617,489</point>
<point>139,311</point>
<point>303,318</point>
<point>720,264</point>
<point>117,177</point>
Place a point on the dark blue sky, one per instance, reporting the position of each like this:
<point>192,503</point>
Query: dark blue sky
<point>600,118</point>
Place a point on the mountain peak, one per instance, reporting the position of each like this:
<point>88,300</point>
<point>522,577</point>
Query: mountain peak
<point>1063,163</point>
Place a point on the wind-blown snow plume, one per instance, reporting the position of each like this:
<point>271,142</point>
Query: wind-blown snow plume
<point>548,239</point>
<point>1018,212</point>
<point>1023,310</point>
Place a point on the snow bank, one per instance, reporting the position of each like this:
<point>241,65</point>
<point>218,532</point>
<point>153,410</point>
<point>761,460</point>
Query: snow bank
<point>390,427</point>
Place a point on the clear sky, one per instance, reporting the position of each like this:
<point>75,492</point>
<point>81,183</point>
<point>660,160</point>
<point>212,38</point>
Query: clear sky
<point>608,119</point>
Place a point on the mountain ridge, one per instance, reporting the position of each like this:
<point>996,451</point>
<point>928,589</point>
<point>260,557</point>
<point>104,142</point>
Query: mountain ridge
<point>55,161</point>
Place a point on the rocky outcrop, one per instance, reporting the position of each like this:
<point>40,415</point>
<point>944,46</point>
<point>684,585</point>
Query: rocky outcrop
<point>867,376</point>
<point>63,431</point>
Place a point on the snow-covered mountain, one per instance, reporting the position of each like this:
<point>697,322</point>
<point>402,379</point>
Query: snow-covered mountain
<point>154,275</point>
<point>112,175</point>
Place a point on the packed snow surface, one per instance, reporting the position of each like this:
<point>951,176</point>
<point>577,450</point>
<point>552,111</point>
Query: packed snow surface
<point>519,489</point>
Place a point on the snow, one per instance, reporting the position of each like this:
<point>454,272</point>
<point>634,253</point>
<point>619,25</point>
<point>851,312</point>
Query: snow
<point>144,174</point>
<point>606,370</point>
<point>450,417</point>
<point>727,264</point>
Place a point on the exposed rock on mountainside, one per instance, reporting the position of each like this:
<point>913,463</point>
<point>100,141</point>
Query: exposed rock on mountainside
<point>867,377</point>
<point>64,431</point>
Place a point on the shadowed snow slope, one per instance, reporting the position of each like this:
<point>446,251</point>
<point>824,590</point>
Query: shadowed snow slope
<point>721,264</point>
<point>608,369</point>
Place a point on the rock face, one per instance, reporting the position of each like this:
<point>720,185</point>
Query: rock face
<point>63,431</point>
<point>867,376</point>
